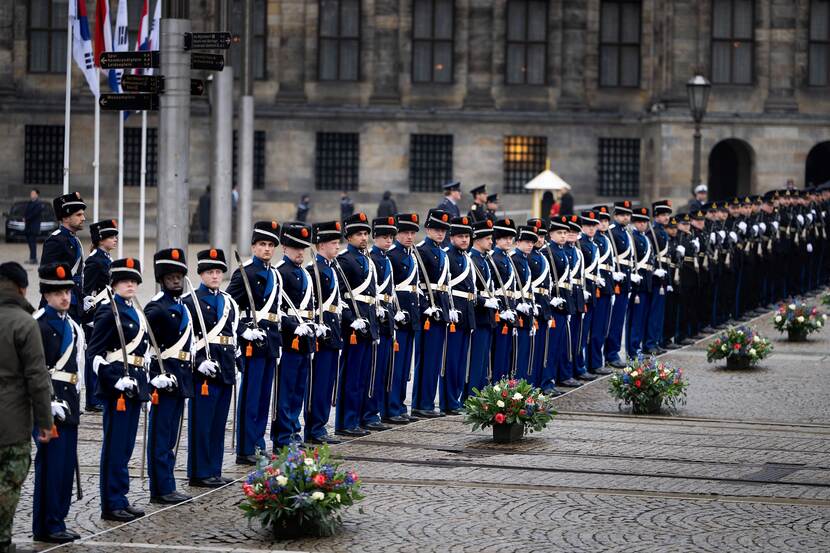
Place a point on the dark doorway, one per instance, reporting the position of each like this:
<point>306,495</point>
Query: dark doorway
<point>817,170</point>
<point>730,169</point>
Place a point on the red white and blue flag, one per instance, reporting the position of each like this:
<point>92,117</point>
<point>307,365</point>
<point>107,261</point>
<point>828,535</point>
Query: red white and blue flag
<point>103,40</point>
<point>82,49</point>
<point>122,36</point>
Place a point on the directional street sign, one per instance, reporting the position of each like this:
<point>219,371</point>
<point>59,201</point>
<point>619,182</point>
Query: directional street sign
<point>129,60</point>
<point>142,83</point>
<point>207,41</point>
<point>207,62</point>
<point>197,87</point>
<point>129,102</point>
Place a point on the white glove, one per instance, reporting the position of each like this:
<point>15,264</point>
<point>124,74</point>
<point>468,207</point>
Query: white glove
<point>208,368</point>
<point>400,316</point>
<point>775,224</point>
<point>722,234</point>
<point>379,311</point>
<point>304,329</point>
<point>523,308</point>
<point>755,230</point>
<point>89,303</point>
<point>800,219</point>
<point>733,236</point>
<point>342,305</point>
<point>635,278</point>
<point>97,362</point>
<point>601,282</point>
<point>454,315</point>
<point>359,324</point>
<point>557,301</point>
<point>810,217</point>
<point>809,248</point>
<point>126,383</point>
<point>60,409</point>
<point>491,303</point>
<point>659,273</point>
<point>681,250</point>
<point>586,295</point>
<point>508,315</point>
<point>618,276</point>
<point>696,242</point>
<point>163,381</point>
<point>253,334</point>
<point>742,226</point>
<point>322,330</point>
<point>669,288</point>
<point>712,237</point>
<point>763,227</point>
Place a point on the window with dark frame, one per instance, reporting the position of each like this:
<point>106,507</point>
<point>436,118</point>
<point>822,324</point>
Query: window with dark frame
<point>526,42</point>
<point>618,168</point>
<point>47,36</point>
<point>43,154</point>
<point>733,35</point>
<point>259,38</point>
<point>337,161</point>
<point>524,158</point>
<point>619,43</point>
<point>259,159</point>
<point>338,45</point>
<point>819,49</point>
<point>430,162</point>
<point>432,41</point>
<point>132,156</point>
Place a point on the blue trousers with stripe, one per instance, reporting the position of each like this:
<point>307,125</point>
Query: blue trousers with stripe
<point>455,374</point>
<point>600,321</point>
<point>161,443</point>
<point>120,429</point>
<point>557,362</point>
<point>206,420</point>
<point>54,475</point>
<point>541,338</point>
<point>481,344</point>
<point>502,352</point>
<point>254,401</point>
<point>638,317</point>
<point>404,363</point>
<point>580,326</point>
<point>433,342</point>
<point>619,311</point>
<point>326,367</point>
<point>376,394</point>
<point>354,383</point>
<point>523,350</point>
<point>655,318</point>
<point>291,389</point>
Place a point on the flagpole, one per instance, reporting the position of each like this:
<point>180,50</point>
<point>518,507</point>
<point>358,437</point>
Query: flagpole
<point>142,188</point>
<point>67,103</point>
<point>123,232</point>
<point>96,161</point>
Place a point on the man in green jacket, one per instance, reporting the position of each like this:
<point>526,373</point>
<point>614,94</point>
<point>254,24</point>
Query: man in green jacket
<point>25,392</point>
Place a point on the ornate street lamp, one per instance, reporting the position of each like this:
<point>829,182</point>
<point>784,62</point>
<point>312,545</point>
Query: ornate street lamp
<point>697,89</point>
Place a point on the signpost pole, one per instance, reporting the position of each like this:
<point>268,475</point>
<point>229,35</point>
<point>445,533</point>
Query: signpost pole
<point>222,130</point>
<point>245,166</point>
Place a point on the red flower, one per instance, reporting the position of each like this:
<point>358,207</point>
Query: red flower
<point>638,383</point>
<point>737,346</point>
<point>512,382</point>
<point>522,412</point>
<point>504,393</point>
<point>500,418</point>
<point>319,479</point>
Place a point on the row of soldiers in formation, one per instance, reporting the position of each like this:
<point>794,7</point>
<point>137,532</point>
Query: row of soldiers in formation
<point>554,302</point>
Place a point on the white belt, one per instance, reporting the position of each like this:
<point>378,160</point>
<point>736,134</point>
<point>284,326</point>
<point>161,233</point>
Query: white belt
<point>63,376</point>
<point>362,298</point>
<point>117,355</point>
<point>221,340</point>
<point>543,291</point>
<point>437,287</point>
<point>592,278</point>
<point>386,297</point>
<point>605,267</point>
<point>625,262</point>
<point>413,288</point>
<point>179,354</point>
<point>466,295</point>
<point>272,317</point>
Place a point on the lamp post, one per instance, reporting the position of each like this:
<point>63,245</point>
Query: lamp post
<point>697,89</point>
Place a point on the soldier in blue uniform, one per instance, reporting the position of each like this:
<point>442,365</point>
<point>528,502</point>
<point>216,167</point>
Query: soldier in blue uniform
<point>326,361</point>
<point>299,336</point>
<point>360,324</point>
<point>407,330</point>
<point>123,389</point>
<point>525,335</point>
<point>661,211</point>
<point>215,360</point>
<point>259,338</point>
<point>384,230</point>
<point>452,195</point>
<point>642,282</point>
<point>435,270</point>
<point>463,293</point>
<point>504,342</point>
<point>623,250</point>
<point>492,206</point>
<point>581,297</point>
<point>63,246</point>
<point>171,376</point>
<point>63,347</point>
<point>604,293</point>
<point>541,285</point>
<point>96,279</point>
<point>478,211</point>
<point>593,283</point>
<point>557,364</point>
<point>486,308</point>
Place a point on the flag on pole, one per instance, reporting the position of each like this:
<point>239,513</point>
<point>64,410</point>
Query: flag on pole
<point>82,49</point>
<point>142,37</point>
<point>103,40</point>
<point>151,37</point>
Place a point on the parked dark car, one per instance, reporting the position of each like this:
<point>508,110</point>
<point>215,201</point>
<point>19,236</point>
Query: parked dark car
<point>14,221</point>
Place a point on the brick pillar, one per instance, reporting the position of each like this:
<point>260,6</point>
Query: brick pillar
<point>480,55</point>
<point>782,40</point>
<point>386,28</point>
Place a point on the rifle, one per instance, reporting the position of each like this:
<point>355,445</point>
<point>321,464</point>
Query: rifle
<point>251,304</point>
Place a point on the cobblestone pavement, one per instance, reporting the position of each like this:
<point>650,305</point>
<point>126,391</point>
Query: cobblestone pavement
<point>743,466</point>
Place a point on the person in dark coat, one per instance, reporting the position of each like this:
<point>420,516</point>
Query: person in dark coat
<point>566,203</point>
<point>303,208</point>
<point>387,206</point>
<point>346,206</point>
<point>31,219</point>
<point>204,215</point>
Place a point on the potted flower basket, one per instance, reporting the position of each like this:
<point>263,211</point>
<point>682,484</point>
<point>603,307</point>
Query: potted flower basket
<point>647,385</point>
<point>511,407</point>
<point>741,346</point>
<point>798,320</point>
<point>299,493</point>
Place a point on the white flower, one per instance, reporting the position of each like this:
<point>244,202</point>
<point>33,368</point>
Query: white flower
<point>723,347</point>
<point>818,323</point>
<point>517,395</point>
<point>800,319</point>
<point>756,339</point>
<point>541,397</point>
<point>282,480</point>
<point>337,497</point>
<point>740,333</point>
<point>792,307</point>
<point>318,496</point>
<point>752,352</point>
<point>499,403</point>
<point>308,461</point>
<point>824,316</point>
<point>497,388</point>
<point>778,318</point>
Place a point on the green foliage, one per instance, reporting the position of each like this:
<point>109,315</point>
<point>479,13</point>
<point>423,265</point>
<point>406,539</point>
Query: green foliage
<point>646,384</point>
<point>740,341</point>
<point>507,402</point>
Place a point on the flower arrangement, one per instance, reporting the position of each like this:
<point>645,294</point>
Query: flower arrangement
<point>741,346</point>
<point>507,403</point>
<point>299,492</point>
<point>825,298</point>
<point>798,320</point>
<point>646,384</point>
